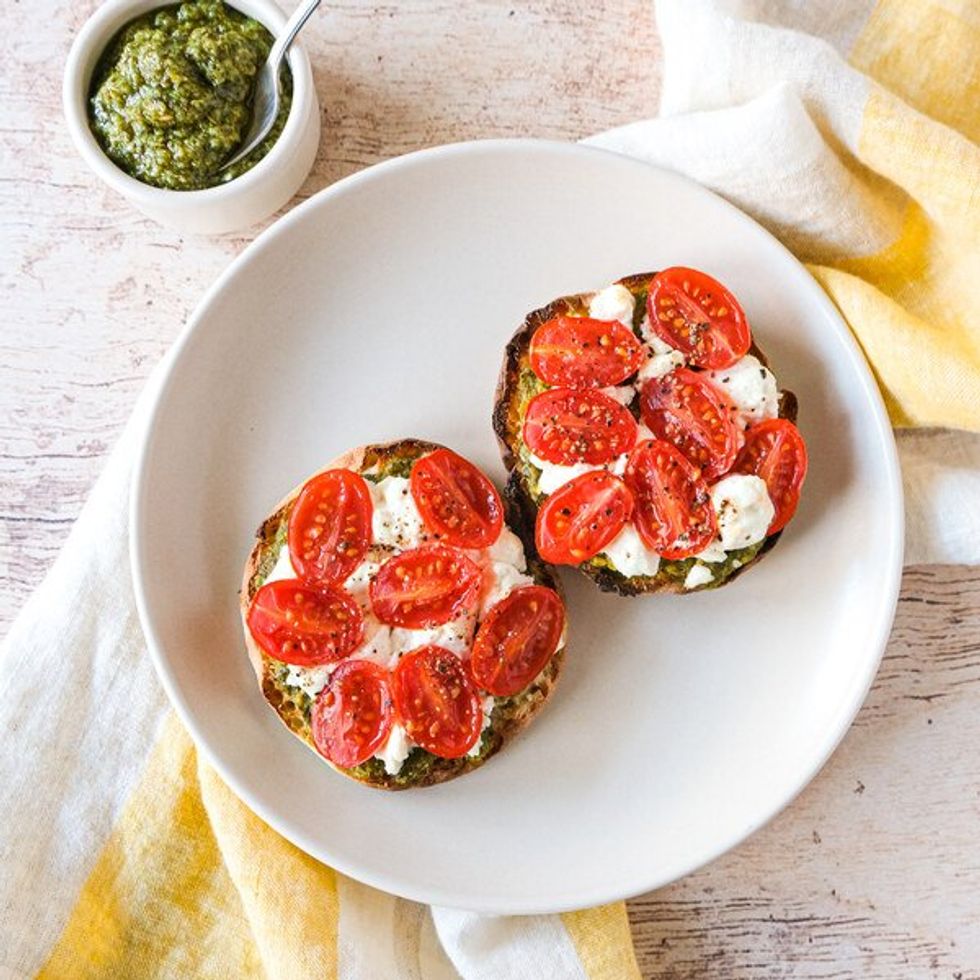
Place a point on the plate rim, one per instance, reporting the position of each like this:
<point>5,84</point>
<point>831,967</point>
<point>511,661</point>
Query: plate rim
<point>163,379</point>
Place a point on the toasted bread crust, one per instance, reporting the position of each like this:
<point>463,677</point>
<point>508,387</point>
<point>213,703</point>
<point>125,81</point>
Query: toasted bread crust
<point>508,421</point>
<point>510,715</point>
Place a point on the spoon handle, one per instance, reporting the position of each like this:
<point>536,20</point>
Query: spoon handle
<point>300,16</point>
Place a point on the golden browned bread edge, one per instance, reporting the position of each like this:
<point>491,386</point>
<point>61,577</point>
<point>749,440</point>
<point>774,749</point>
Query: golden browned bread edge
<point>504,727</point>
<point>504,427</point>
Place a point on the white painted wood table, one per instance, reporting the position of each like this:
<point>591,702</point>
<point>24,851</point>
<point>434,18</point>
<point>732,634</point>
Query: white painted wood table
<point>875,870</point>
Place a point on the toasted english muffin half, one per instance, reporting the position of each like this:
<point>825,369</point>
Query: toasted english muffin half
<point>518,384</point>
<point>293,704</point>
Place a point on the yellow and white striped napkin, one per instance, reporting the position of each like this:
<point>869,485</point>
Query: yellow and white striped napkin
<point>848,129</point>
<point>123,855</point>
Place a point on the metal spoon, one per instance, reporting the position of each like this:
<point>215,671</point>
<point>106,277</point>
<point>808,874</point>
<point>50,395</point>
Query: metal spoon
<point>268,97</point>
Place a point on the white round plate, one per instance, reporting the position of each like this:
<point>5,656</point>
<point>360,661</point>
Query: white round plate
<point>380,309</point>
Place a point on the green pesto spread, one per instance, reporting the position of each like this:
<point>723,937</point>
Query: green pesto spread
<point>171,99</point>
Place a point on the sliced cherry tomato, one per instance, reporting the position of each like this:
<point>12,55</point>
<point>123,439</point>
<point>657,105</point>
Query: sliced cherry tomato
<point>673,515</point>
<point>424,587</point>
<point>580,518</point>
<point>580,352</point>
<point>565,426</point>
<point>330,527</point>
<point>437,702</point>
<point>456,500</point>
<point>696,314</point>
<point>775,450</point>
<point>687,411</point>
<point>303,625</point>
<point>516,640</point>
<point>352,716</point>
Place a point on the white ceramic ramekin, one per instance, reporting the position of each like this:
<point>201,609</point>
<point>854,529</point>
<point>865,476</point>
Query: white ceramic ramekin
<point>254,195</point>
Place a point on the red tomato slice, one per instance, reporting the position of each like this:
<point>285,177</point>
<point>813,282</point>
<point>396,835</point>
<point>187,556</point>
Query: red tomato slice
<point>673,512</point>
<point>352,716</point>
<point>456,500</point>
<point>424,587</point>
<point>687,411</point>
<point>775,450</point>
<point>580,352</point>
<point>516,640</point>
<point>330,527</point>
<point>580,518</point>
<point>437,702</point>
<point>302,625</point>
<point>699,316</point>
<point>565,426</point>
